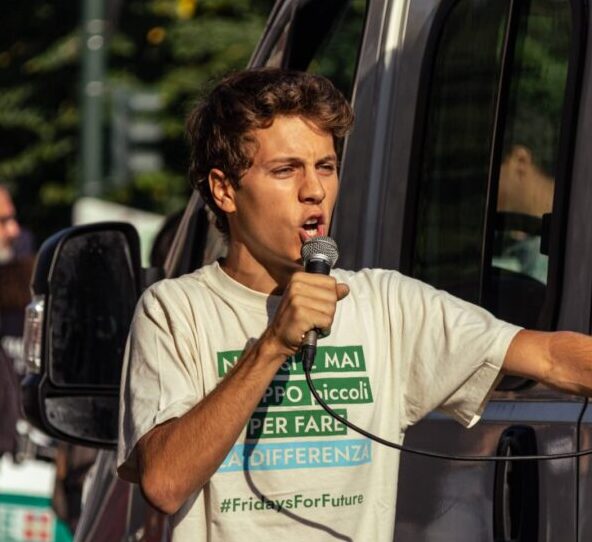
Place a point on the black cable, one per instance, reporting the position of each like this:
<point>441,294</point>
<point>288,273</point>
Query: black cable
<point>307,364</point>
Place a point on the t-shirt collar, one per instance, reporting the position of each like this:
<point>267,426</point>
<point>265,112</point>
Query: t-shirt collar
<point>233,290</point>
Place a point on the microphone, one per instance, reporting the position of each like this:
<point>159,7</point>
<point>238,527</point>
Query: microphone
<point>319,255</point>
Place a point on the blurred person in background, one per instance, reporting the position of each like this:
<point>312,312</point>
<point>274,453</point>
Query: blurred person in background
<point>15,242</point>
<point>17,256</point>
<point>9,226</point>
<point>16,265</point>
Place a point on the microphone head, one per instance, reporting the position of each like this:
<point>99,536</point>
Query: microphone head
<point>319,248</point>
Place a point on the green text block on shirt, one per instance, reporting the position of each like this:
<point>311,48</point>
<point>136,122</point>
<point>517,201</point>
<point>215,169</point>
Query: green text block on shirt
<point>334,391</point>
<point>329,359</point>
<point>299,423</point>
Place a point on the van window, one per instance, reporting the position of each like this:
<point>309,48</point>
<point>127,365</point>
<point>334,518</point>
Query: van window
<point>454,168</point>
<point>486,179</point>
<point>336,58</point>
<point>518,259</point>
<point>323,37</point>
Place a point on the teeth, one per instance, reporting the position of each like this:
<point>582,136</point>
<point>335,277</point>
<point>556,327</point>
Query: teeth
<point>311,227</point>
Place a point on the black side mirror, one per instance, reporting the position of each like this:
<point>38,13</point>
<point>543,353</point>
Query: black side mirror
<point>85,286</point>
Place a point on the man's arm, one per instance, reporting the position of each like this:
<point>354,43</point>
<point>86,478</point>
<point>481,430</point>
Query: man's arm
<point>178,457</point>
<point>561,359</point>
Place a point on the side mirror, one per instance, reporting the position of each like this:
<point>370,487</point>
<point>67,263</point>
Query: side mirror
<point>85,286</point>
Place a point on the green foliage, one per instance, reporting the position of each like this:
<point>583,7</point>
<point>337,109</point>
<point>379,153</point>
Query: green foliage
<point>61,53</point>
<point>39,52</point>
<point>164,188</point>
<point>173,47</point>
<point>335,59</point>
<point>178,57</point>
<point>539,82</point>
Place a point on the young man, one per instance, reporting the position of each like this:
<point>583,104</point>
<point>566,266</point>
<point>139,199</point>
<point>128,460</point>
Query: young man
<point>217,424</point>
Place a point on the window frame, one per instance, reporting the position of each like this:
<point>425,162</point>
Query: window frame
<point>565,151</point>
<point>290,18</point>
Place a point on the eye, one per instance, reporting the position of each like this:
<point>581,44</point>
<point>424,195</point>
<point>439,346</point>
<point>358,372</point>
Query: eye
<point>284,171</point>
<point>327,168</point>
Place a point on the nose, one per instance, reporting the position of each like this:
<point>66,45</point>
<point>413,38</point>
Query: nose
<point>312,189</point>
<point>13,228</point>
<point>10,228</point>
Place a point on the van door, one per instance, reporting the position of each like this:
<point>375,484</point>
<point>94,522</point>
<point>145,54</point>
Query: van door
<point>486,204</point>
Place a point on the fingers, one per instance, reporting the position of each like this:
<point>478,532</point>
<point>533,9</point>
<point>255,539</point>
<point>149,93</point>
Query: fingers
<point>320,293</point>
<point>302,314</point>
<point>311,294</point>
<point>342,290</point>
<point>318,285</point>
<point>309,302</point>
<point>291,324</point>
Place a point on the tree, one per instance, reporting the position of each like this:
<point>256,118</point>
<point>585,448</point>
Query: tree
<point>170,47</point>
<point>38,109</point>
<point>177,48</point>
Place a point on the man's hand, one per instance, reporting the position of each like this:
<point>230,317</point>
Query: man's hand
<point>309,302</point>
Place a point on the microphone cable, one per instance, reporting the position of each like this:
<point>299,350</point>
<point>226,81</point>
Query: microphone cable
<point>319,255</point>
<point>307,365</point>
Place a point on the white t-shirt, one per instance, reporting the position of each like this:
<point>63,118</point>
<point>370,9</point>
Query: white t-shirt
<point>397,350</point>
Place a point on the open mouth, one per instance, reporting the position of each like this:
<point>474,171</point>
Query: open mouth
<point>313,227</point>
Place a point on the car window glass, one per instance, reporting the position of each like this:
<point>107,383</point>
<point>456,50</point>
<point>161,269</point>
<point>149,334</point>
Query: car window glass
<point>509,275</point>
<point>454,165</point>
<point>323,37</point>
<point>516,264</point>
<point>336,58</point>
<point>531,139</point>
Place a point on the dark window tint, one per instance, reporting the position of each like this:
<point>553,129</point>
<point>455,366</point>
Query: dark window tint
<point>454,167</point>
<point>486,177</point>
<point>516,274</point>
<point>323,37</point>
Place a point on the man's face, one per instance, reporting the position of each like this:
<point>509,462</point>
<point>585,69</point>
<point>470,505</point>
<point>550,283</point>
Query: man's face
<point>9,227</point>
<point>286,196</point>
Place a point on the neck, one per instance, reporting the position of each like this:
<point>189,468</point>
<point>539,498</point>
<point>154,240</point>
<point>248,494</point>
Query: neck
<point>244,267</point>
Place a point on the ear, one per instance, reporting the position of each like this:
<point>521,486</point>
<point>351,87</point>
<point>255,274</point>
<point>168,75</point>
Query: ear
<point>222,190</point>
<point>523,157</point>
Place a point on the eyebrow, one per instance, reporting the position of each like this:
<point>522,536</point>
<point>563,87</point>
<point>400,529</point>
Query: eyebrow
<point>328,158</point>
<point>284,159</point>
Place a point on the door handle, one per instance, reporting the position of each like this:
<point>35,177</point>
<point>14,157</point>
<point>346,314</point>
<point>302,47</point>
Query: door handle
<point>516,488</point>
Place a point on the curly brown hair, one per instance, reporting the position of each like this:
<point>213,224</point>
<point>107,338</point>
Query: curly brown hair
<point>220,128</point>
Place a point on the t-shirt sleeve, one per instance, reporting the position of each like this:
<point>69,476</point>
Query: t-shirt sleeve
<point>160,377</point>
<point>451,352</point>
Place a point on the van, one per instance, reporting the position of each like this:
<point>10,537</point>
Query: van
<point>468,168</point>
